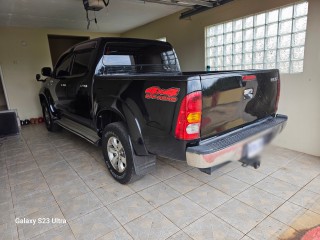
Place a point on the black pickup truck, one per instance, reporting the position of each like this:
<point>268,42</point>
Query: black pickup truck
<point>130,96</point>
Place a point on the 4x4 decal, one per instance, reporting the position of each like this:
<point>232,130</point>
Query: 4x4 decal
<point>157,93</point>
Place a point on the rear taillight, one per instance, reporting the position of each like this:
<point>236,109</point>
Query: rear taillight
<point>189,118</point>
<point>278,95</point>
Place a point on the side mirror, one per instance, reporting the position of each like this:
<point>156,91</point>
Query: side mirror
<point>46,71</point>
<point>38,77</point>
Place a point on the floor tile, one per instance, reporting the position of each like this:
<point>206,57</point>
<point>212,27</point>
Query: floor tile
<point>75,154</point>
<point>165,171</point>
<point>62,157</point>
<point>89,169</point>
<point>260,200</point>
<point>307,199</point>
<point>81,205</point>
<point>19,158</point>
<point>69,190</point>
<point>152,225</point>
<point>22,167</point>
<point>94,225</point>
<point>129,208</point>
<point>118,234</point>
<point>27,231</point>
<point>112,192</point>
<point>270,229</point>
<point>61,177</point>
<point>180,165</point>
<point>27,189</point>
<point>308,162</point>
<point>182,211</point>
<point>228,167</point>
<point>5,195</point>
<point>34,203</point>
<point>81,161</point>
<point>4,183</point>
<point>229,185</point>
<point>24,177</point>
<point>180,236</point>
<point>294,176</point>
<point>159,194</point>
<point>183,183</point>
<point>208,197</point>
<point>247,175</point>
<point>268,167</point>
<point>64,232</point>
<point>295,216</point>
<point>203,177</point>
<point>314,185</point>
<point>211,227</point>
<point>40,148</point>
<point>8,231</point>
<point>144,182</point>
<point>284,154</point>
<point>247,238</point>
<point>99,179</point>
<point>48,160</point>
<point>277,187</point>
<point>239,215</point>
<point>54,169</point>
<point>19,152</point>
<point>7,213</point>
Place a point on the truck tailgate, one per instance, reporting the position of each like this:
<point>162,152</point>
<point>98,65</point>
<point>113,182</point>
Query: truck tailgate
<point>233,99</point>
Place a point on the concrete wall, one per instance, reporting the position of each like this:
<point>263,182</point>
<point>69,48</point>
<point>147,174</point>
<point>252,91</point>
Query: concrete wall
<point>300,98</point>
<point>23,52</point>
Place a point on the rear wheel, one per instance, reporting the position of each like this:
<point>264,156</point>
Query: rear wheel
<point>51,126</point>
<point>117,152</point>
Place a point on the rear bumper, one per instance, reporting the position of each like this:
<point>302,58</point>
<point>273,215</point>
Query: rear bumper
<point>235,145</point>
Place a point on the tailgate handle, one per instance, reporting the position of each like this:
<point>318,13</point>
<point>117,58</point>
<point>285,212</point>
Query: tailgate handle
<point>248,93</point>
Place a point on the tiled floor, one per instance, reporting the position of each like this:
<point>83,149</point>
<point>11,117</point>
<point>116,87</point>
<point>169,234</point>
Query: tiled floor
<point>56,176</point>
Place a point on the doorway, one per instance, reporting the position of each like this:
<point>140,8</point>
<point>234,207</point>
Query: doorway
<point>58,44</point>
<point>3,96</point>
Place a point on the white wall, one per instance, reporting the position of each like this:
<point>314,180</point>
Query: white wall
<point>23,52</point>
<point>300,98</point>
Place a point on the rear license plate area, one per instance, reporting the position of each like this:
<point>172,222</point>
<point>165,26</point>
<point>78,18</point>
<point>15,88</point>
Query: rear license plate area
<point>255,147</point>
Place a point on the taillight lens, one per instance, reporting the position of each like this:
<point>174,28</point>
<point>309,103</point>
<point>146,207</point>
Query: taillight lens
<point>278,95</point>
<point>189,118</point>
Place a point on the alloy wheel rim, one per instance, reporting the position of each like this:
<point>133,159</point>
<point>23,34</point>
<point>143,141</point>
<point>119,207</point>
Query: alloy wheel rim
<point>116,154</point>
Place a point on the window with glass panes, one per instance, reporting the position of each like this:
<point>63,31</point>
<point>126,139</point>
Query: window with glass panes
<point>273,39</point>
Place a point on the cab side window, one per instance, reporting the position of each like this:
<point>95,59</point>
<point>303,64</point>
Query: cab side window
<point>81,63</point>
<point>63,69</point>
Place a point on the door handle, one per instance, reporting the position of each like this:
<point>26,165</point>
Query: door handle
<point>83,85</point>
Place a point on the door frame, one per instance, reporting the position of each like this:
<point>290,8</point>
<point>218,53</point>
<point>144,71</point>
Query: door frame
<point>4,88</point>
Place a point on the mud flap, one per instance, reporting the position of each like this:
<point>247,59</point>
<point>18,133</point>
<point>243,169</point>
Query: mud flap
<point>143,164</point>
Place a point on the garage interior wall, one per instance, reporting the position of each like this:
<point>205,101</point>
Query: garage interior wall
<point>300,98</point>
<point>23,52</point>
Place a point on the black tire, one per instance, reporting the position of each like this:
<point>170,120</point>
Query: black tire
<point>118,131</point>
<point>51,126</point>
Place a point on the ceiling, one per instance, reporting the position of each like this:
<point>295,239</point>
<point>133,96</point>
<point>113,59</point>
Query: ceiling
<point>118,17</point>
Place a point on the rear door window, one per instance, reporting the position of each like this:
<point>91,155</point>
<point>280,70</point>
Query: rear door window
<point>81,63</point>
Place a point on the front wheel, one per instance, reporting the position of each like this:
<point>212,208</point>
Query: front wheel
<point>117,152</point>
<point>51,126</point>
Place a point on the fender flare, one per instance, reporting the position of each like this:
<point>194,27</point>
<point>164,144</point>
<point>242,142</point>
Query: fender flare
<point>133,125</point>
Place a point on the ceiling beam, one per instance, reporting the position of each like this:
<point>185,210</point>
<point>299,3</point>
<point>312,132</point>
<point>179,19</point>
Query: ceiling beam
<point>196,2</point>
<point>198,9</point>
